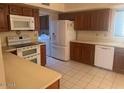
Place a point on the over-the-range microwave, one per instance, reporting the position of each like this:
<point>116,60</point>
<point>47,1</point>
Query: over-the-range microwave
<point>21,22</point>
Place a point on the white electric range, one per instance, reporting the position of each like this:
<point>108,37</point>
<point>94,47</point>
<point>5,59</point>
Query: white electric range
<point>25,48</point>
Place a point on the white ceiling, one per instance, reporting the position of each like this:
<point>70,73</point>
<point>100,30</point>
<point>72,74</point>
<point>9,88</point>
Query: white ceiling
<point>85,6</point>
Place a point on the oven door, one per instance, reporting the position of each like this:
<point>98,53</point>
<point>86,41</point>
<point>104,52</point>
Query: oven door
<point>34,59</point>
<point>28,51</point>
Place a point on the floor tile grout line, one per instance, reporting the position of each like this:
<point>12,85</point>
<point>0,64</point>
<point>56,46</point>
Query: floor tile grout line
<point>102,80</point>
<point>73,64</point>
<point>113,80</point>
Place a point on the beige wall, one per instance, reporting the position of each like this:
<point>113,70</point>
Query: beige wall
<point>2,72</point>
<point>3,35</point>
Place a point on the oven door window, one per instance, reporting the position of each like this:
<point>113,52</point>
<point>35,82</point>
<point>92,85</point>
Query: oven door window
<point>28,52</point>
<point>34,60</point>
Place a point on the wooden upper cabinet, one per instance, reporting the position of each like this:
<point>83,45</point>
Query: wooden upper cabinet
<point>27,11</point>
<point>82,21</point>
<point>100,19</point>
<point>67,16</point>
<point>95,20</point>
<point>20,10</point>
<point>3,17</point>
<point>91,20</point>
<point>36,18</point>
<point>15,10</point>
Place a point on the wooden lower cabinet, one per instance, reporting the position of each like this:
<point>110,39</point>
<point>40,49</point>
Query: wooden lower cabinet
<point>118,65</point>
<point>43,54</point>
<point>83,53</point>
<point>55,85</point>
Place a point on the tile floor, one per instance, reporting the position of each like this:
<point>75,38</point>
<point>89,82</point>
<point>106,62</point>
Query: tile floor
<point>81,76</point>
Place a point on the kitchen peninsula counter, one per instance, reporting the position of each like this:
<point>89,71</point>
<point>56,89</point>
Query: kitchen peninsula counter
<point>27,75</point>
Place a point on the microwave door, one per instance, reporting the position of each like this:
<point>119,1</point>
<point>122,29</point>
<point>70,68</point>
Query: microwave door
<point>21,22</point>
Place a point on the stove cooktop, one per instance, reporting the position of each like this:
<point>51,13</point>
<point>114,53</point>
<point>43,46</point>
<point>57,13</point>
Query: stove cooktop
<point>24,45</point>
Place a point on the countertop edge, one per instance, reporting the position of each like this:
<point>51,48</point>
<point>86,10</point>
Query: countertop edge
<point>47,85</point>
<point>100,43</point>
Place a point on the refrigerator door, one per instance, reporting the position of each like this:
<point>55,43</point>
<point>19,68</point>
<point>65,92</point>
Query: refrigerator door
<point>55,33</point>
<point>66,32</point>
<point>63,32</point>
<point>60,52</point>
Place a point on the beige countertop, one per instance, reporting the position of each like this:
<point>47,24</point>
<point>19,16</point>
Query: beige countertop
<point>114,44</point>
<point>26,74</point>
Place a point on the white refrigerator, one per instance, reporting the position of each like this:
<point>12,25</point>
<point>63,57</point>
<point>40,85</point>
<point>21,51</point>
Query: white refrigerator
<point>62,33</point>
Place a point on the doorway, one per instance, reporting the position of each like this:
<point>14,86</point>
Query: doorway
<point>44,33</point>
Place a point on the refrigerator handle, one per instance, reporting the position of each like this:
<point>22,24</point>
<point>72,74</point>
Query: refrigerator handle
<point>54,34</point>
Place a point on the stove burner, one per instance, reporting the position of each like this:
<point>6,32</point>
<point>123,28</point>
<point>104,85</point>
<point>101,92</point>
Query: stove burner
<point>24,45</point>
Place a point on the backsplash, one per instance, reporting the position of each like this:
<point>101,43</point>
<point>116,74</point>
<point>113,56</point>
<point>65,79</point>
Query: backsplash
<point>32,34</point>
<point>105,36</point>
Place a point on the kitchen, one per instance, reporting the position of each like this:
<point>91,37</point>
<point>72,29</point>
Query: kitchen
<point>83,52</point>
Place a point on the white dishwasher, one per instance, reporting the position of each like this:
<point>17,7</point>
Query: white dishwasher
<point>104,56</point>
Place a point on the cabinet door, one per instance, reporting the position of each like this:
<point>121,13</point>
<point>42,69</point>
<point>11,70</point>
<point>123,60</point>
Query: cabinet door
<point>78,23</point>
<point>3,17</point>
<point>43,55</point>
<point>75,51</point>
<point>36,19</point>
<point>88,51</point>
<point>27,11</point>
<point>118,65</point>
<point>83,21</point>
<point>15,10</point>
<point>86,21</point>
<point>100,20</point>
<point>83,53</point>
